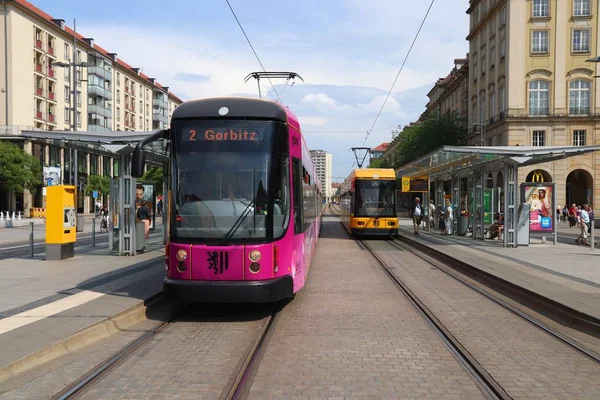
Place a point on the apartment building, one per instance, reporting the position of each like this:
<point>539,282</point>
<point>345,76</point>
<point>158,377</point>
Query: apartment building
<point>451,94</point>
<point>530,84</point>
<point>324,166</point>
<point>52,78</point>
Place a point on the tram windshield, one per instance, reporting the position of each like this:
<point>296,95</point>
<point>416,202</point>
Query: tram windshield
<point>231,181</point>
<point>375,198</point>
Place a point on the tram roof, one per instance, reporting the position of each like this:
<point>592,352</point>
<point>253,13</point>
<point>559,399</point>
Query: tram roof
<point>370,173</point>
<point>449,161</point>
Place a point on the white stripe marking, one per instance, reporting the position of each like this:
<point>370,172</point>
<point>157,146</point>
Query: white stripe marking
<point>45,311</point>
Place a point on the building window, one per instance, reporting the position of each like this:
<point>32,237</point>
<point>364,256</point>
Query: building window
<point>78,118</point>
<point>492,104</point>
<point>78,98</point>
<point>538,98</point>
<point>539,41</point>
<point>503,17</point>
<point>539,138</point>
<point>581,41</point>
<point>482,108</point>
<point>474,111</point>
<point>67,114</point>
<point>501,99</point>
<point>502,49</point>
<point>67,91</point>
<point>67,55</point>
<point>118,97</point>
<point>540,8</point>
<point>118,113</point>
<point>579,138</point>
<point>579,97</point>
<point>581,8</point>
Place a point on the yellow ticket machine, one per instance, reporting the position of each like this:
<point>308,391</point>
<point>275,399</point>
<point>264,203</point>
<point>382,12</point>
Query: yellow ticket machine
<point>61,225</point>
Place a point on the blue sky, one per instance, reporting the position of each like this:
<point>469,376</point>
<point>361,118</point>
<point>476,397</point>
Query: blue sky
<point>347,51</point>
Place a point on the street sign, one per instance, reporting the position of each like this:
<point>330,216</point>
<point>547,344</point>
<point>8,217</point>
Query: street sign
<point>418,184</point>
<point>95,194</point>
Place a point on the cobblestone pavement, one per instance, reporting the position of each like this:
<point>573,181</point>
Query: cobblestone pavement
<point>527,362</point>
<point>193,358</point>
<point>351,334</point>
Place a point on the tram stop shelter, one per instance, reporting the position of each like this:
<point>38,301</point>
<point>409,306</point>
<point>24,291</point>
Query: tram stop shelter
<point>122,221</point>
<point>473,163</point>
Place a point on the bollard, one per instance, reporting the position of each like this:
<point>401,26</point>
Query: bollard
<point>31,239</point>
<point>93,232</point>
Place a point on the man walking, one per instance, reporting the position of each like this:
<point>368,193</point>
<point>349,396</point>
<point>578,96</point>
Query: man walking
<point>416,213</point>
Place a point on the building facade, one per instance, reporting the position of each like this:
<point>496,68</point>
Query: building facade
<point>324,166</point>
<point>451,94</point>
<point>52,78</point>
<point>530,85</point>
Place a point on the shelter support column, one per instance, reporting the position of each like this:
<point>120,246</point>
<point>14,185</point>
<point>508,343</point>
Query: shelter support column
<point>510,205</point>
<point>455,203</point>
<point>478,210</point>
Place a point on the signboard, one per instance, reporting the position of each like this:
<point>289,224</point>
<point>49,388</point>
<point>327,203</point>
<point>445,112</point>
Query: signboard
<point>95,194</point>
<point>51,176</point>
<point>541,198</point>
<point>488,200</point>
<point>417,184</point>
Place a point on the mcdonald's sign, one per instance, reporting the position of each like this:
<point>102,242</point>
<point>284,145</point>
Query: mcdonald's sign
<point>537,176</point>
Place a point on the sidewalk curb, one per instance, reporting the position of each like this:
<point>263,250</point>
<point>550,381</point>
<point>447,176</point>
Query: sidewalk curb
<point>83,338</point>
<point>537,302</point>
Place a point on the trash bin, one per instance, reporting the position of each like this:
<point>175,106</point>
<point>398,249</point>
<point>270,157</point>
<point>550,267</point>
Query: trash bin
<point>140,236</point>
<point>463,226</point>
<point>80,223</point>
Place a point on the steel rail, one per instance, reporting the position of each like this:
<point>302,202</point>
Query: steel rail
<point>481,377</point>
<point>450,271</point>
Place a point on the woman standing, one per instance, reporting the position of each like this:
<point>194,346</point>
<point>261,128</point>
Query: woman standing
<point>448,217</point>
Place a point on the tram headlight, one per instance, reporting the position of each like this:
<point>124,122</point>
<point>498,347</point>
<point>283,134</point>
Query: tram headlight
<point>254,267</point>
<point>181,255</point>
<point>254,256</point>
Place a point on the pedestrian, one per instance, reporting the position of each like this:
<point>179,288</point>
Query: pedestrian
<point>416,213</point>
<point>448,217</point>
<point>143,215</point>
<point>431,220</point>
<point>584,221</point>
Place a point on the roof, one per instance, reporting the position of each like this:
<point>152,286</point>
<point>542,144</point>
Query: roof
<point>237,107</point>
<point>381,147</point>
<point>458,161</point>
<point>41,14</point>
<point>374,173</point>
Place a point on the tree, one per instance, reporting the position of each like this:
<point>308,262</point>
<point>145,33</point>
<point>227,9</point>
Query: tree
<point>432,132</point>
<point>19,170</point>
<point>154,175</point>
<point>98,183</point>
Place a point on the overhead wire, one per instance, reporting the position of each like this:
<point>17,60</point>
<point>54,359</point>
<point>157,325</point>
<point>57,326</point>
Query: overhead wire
<point>401,68</point>
<point>252,47</point>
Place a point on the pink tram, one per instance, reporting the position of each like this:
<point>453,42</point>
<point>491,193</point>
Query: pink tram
<point>244,203</point>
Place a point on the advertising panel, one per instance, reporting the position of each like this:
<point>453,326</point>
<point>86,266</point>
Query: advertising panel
<point>417,184</point>
<point>51,176</point>
<point>540,197</point>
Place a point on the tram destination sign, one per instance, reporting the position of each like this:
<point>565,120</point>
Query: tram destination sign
<point>222,135</point>
<point>416,184</point>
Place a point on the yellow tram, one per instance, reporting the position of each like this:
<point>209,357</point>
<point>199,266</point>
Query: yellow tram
<point>368,202</point>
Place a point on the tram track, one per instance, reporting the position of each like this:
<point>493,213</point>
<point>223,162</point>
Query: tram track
<point>236,388</point>
<point>483,378</point>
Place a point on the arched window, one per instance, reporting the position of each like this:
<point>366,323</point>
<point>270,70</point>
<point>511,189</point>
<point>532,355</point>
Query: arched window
<point>579,97</point>
<point>538,98</point>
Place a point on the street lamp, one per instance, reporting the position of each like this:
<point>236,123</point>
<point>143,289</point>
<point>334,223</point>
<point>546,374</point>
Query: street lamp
<point>594,60</point>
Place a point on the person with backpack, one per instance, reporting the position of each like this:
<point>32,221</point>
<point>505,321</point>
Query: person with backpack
<point>416,214</point>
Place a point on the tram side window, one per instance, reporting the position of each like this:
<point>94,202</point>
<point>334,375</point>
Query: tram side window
<point>297,180</point>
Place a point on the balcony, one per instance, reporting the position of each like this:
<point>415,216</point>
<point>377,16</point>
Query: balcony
<point>101,72</point>
<point>157,116</point>
<point>39,91</point>
<point>51,118</point>
<point>95,90</point>
<point>39,115</point>
<point>38,44</point>
<point>579,111</point>
<point>99,110</point>
<point>160,103</point>
<point>38,67</point>
<point>98,128</point>
<point>50,49</point>
<point>539,112</point>
<point>51,72</point>
<point>51,96</point>
<point>127,89</point>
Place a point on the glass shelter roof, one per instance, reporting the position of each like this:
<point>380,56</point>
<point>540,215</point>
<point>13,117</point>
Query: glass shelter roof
<point>456,161</point>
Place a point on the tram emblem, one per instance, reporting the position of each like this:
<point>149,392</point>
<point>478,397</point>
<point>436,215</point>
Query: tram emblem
<point>218,261</point>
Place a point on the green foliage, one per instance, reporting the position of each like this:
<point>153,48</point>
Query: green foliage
<point>19,170</point>
<point>97,183</point>
<point>380,163</point>
<point>155,176</point>
<point>432,132</point>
